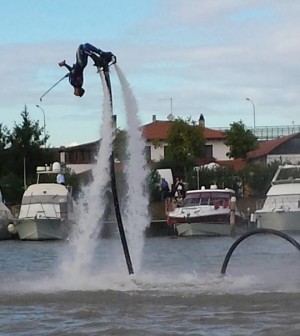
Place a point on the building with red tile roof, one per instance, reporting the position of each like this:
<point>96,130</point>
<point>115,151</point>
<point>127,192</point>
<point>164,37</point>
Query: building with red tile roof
<point>282,149</point>
<point>155,135</point>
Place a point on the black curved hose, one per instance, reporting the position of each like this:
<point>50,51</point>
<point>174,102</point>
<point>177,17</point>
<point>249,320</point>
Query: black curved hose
<point>115,192</point>
<point>118,214</point>
<point>251,233</point>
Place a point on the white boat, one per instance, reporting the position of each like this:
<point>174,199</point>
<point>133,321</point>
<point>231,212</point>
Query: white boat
<point>208,212</point>
<point>47,211</point>
<point>281,209</point>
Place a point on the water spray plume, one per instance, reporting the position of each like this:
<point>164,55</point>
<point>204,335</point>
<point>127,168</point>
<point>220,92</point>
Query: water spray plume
<point>137,172</point>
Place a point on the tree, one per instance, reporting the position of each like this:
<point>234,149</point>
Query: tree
<point>20,154</point>
<point>257,178</point>
<point>25,145</point>
<point>185,143</point>
<point>240,141</point>
<point>4,134</point>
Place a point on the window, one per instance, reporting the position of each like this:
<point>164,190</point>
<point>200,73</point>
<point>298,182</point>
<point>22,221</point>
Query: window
<point>208,151</point>
<point>148,153</point>
<point>165,151</point>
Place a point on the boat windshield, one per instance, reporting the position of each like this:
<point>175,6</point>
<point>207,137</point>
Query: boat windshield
<point>207,198</point>
<point>288,173</point>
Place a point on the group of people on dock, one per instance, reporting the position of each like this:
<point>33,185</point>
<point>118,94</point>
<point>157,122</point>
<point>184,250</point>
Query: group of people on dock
<point>176,192</point>
<point>174,195</point>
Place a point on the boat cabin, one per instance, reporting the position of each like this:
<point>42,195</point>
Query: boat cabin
<point>212,196</point>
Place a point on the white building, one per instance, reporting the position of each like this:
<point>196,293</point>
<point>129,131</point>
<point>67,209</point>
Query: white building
<point>156,132</point>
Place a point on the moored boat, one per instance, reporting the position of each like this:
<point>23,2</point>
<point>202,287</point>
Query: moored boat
<point>208,212</point>
<point>47,211</point>
<point>281,209</point>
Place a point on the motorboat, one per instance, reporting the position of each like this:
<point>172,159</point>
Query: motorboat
<point>6,218</point>
<point>47,210</point>
<point>207,212</point>
<point>281,208</point>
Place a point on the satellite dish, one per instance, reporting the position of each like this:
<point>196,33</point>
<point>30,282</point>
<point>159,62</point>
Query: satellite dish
<point>170,117</point>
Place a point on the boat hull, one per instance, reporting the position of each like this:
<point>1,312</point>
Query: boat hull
<point>210,229</point>
<point>43,229</point>
<point>210,223</point>
<point>286,221</point>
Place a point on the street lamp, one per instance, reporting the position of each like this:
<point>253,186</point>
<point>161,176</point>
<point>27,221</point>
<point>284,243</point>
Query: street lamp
<point>197,169</point>
<point>253,113</point>
<point>38,106</point>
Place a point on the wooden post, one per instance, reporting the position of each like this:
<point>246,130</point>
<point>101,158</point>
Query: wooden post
<point>232,214</point>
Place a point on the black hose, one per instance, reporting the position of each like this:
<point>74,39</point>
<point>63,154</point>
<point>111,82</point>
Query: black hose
<point>115,192</point>
<point>251,233</point>
<point>118,213</point>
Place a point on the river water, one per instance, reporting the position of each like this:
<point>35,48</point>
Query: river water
<point>178,289</point>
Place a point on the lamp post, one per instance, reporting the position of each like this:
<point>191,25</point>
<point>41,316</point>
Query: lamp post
<point>38,106</point>
<point>197,169</point>
<point>253,114</point>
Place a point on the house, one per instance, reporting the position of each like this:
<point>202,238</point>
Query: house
<point>80,158</point>
<point>155,135</point>
<point>285,149</point>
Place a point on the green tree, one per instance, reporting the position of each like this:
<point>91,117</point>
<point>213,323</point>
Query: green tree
<point>12,188</point>
<point>25,145</point>
<point>4,134</point>
<point>185,144</point>
<point>258,177</point>
<point>4,137</point>
<point>240,141</point>
<point>20,153</point>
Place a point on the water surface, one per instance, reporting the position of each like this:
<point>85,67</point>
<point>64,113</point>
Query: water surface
<point>177,291</point>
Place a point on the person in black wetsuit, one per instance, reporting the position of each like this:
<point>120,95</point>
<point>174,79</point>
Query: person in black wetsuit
<point>101,58</point>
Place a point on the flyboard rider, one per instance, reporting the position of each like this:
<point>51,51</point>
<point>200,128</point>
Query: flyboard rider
<point>101,58</point>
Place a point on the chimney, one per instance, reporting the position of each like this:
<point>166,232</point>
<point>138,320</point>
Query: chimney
<point>201,120</point>
<point>153,118</point>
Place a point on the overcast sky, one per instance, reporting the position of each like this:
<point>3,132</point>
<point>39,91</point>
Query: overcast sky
<point>203,56</point>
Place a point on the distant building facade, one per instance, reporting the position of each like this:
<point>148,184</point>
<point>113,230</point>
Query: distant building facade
<point>155,135</point>
<point>284,149</point>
